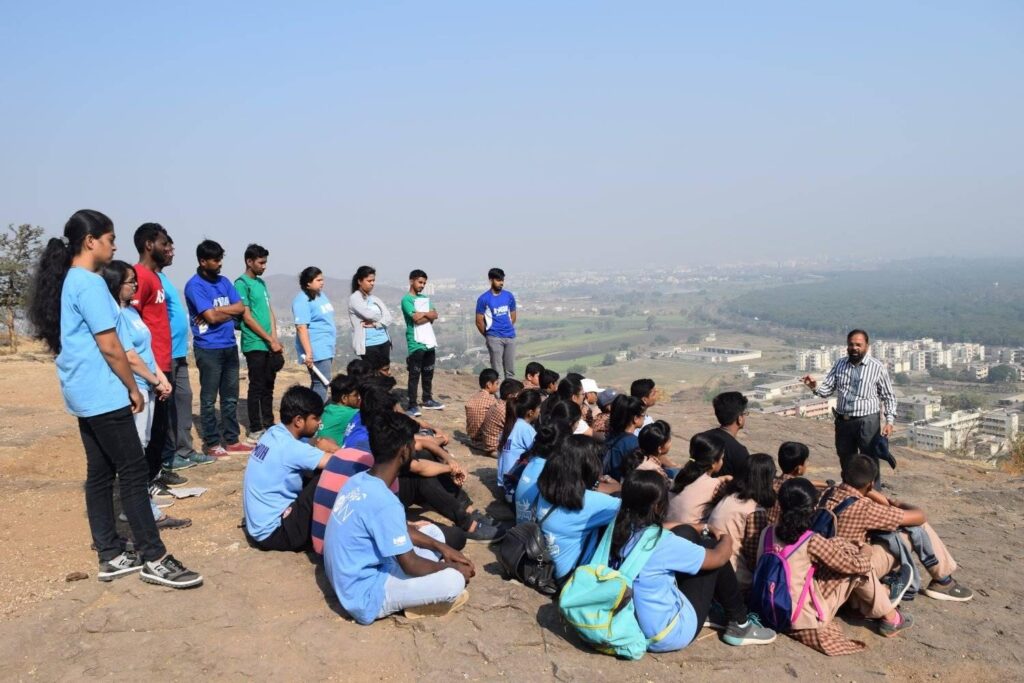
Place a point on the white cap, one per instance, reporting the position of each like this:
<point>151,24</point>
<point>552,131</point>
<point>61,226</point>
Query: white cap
<point>590,386</point>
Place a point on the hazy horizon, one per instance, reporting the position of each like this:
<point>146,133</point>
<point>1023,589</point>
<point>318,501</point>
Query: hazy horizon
<point>453,137</point>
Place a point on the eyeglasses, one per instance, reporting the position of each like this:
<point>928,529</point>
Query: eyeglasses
<point>130,283</point>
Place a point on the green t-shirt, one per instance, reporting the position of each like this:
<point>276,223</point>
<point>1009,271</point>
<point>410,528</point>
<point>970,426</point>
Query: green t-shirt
<point>335,420</point>
<point>408,309</point>
<point>253,292</point>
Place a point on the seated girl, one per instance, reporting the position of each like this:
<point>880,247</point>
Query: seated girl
<point>672,594</point>
<point>549,439</point>
<point>655,441</point>
<point>695,485</point>
<point>627,416</point>
<point>519,432</point>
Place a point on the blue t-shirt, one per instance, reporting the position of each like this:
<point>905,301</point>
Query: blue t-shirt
<point>571,533</point>
<point>616,450</point>
<point>179,319</point>
<point>134,335</point>
<point>273,478</point>
<point>527,491</point>
<point>318,316</point>
<point>497,310</point>
<point>365,532</point>
<point>657,597</point>
<point>356,434</point>
<point>202,295</point>
<point>87,383</point>
<point>519,440</point>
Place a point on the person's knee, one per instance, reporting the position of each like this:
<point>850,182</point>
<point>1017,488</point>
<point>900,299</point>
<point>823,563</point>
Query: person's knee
<point>433,531</point>
<point>451,584</point>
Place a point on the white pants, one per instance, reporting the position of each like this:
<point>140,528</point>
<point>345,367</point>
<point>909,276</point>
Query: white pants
<point>402,590</point>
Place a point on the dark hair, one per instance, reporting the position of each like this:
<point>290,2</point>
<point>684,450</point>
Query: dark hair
<point>548,440</point>
<point>641,388</point>
<point>255,251</point>
<point>625,409</point>
<point>389,433</point>
<point>495,274</point>
<point>853,333</point>
<point>378,361</point>
<point>729,406</point>
<point>652,437</point>
<point>547,378</point>
<point>509,388</point>
<point>300,401</point>
<point>792,454</point>
<point>859,471</point>
<point>417,273</point>
<point>362,272</point>
<point>376,396</point>
<point>705,451</point>
<point>358,368</point>
<point>574,375</point>
<point>533,368</point>
<point>147,232</point>
<point>574,468</point>
<point>488,375</point>
<point>527,400</point>
<point>557,409</point>
<point>569,387</point>
<point>798,502</point>
<point>52,268</point>
<point>644,503</point>
<point>755,484</point>
<point>341,386</point>
<point>113,274</point>
<point>307,275</point>
<point>208,250</point>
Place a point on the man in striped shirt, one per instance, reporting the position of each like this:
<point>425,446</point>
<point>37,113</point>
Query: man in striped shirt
<point>863,390</point>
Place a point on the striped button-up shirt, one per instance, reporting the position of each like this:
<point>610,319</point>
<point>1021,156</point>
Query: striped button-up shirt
<point>863,389</point>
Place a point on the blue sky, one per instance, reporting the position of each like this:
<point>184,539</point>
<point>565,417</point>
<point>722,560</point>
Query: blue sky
<point>534,136</point>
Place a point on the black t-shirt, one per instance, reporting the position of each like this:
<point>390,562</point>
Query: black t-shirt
<point>736,454</point>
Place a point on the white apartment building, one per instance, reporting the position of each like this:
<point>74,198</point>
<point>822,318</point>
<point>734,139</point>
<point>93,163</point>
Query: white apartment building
<point>918,408</point>
<point>945,434</point>
<point>1001,423</point>
<point>773,390</point>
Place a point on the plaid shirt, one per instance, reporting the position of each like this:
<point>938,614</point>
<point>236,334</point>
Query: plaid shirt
<point>600,423</point>
<point>494,424</point>
<point>476,413</point>
<point>862,516</point>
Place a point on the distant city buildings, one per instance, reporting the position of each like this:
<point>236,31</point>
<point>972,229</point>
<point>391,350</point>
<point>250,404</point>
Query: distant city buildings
<point>715,354</point>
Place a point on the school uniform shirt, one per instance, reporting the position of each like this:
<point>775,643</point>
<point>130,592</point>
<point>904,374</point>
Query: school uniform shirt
<point>657,598</point>
<point>494,425</point>
<point>476,412</point>
<point>178,317</point>
<point>736,456</point>
<point>687,506</point>
<point>335,420</point>
<point>527,491</point>
<point>617,447</point>
<point>497,310</point>
<point>862,516</point>
<point>273,479</point>
<point>151,302</point>
<point>87,383</point>
<point>135,336</point>
<point>519,441</point>
<point>730,516</point>
<point>571,534</point>
<point>202,295</point>
<point>318,316</point>
<point>364,534</point>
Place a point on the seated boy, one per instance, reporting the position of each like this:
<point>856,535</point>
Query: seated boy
<point>277,503</point>
<point>646,391</point>
<point>792,461</point>
<point>531,378</point>
<point>376,564</point>
<point>548,382</point>
<point>477,406</point>
<point>494,422</point>
<point>604,405</point>
<point>339,411</point>
<point>873,512</point>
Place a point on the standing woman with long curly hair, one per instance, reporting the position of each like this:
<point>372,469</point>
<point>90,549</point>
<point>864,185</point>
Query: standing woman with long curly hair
<point>75,315</point>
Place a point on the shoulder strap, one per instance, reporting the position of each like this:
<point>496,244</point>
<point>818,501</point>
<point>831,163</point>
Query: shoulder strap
<point>641,552</point>
<point>604,548</point>
<point>790,549</point>
<point>536,504</point>
<point>845,504</point>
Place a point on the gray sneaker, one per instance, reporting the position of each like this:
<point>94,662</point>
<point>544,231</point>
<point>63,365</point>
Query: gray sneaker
<point>433,405</point>
<point>171,573</point>
<point>898,582</point>
<point>889,630</point>
<point>952,591</point>
<point>122,565</point>
<point>751,633</point>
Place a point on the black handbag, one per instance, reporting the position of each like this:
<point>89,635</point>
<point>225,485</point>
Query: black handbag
<point>525,557</point>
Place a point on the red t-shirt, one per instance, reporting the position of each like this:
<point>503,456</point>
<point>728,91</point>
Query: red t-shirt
<point>150,300</point>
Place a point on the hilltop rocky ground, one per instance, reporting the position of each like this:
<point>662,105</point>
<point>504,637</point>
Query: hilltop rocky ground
<point>272,615</point>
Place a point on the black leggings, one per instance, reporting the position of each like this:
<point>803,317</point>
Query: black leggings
<point>295,530</point>
<point>717,584</point>
<point>439,493</point>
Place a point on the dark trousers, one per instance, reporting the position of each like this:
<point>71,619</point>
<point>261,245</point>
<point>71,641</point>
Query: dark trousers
<point>440,494</point>
<point>421,364</point>
<point>113,450</point>
<point>218,375</point>
<point>294,532</point>
<point>719,584</point>
<point>855,436</point>
<point>260,396</point>
<point>378,355</point>
<point>157,445</point>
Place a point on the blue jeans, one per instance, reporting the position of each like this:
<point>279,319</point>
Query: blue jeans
<point>218,374</point>
<point>402,590</point>
<point>324,366</point>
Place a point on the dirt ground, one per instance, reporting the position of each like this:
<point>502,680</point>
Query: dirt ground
<point>272,615</point>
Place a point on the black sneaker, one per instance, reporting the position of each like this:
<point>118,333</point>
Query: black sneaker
<point>168,523</point>
<point>171,573</point>
<point>482,517</point>
<point>171,479</point>
<point>158,491</point>
<point>485,533</point>
<point>125,563</point>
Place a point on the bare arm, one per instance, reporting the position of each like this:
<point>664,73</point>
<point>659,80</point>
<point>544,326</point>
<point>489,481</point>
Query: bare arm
<point>222,314</point>
<point>302,332</point>
<point>480,326</point>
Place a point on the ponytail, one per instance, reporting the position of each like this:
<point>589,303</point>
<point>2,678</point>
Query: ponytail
<point>705,451</point>
<point>524,402</point>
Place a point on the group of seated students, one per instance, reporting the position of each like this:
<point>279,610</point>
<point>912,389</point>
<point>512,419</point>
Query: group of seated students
<point>341,478</point>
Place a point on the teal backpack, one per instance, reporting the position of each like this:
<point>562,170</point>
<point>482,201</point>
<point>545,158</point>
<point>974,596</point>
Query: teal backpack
<point>597,601</point>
